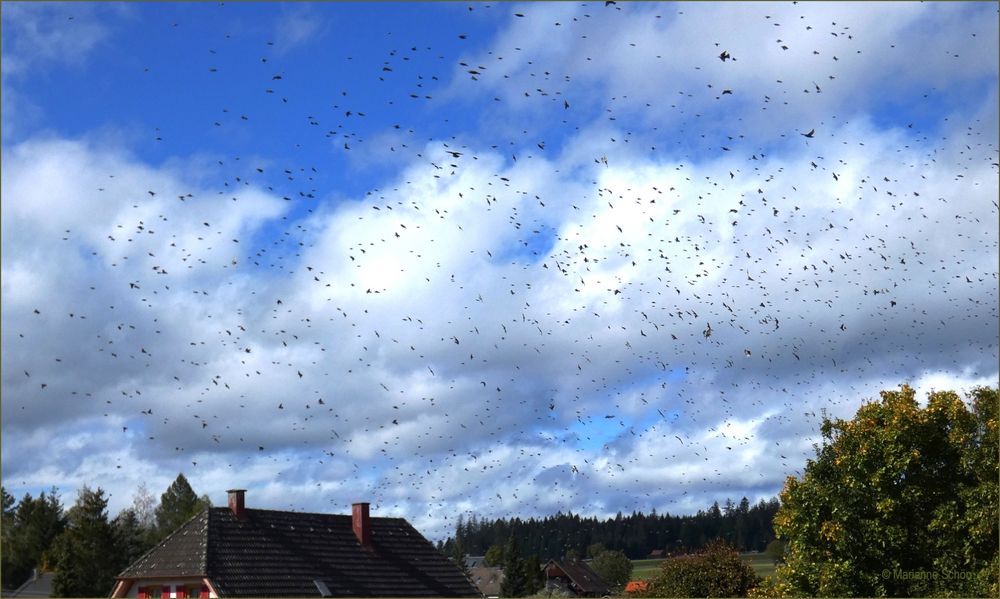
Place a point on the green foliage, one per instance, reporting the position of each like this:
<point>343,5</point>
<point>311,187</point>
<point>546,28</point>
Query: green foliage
<point>516,580</point>
<point>535,574</point>
<point>132,538</point>
<point>595,549</point>
<point>84,554</point>
<point>746,525</point>
<point>177,505</point>
<point>28,530</point>
<point>776,551</point>
<point>614,567</point>
<point>494,556</point>
<point>900,501</point>
<point>715,571</point>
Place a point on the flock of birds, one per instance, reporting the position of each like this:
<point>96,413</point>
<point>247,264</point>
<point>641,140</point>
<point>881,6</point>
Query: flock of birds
<point>490,312</point>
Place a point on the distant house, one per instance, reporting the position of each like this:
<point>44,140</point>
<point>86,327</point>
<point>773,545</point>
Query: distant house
<point>487,579</point>
<point>657,554</point>
<point>239,552</point>
<point>39,585</point>
<point>577,577</point>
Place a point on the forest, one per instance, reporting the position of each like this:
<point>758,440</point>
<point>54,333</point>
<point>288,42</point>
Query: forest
<point>747,527</point>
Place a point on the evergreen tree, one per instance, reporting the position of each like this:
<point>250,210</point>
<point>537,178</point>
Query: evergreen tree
<point>515,576</point>
<point>177,505</point>
<point>84,554</point>
<point>6,535</point>
<point>534,574</point>
<point>34,524</point>
<point>132,539</point>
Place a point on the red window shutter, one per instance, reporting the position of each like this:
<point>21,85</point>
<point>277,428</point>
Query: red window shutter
<point>204,591</point>
<point>181,591</point>
<point>142,593</point>
<point>165,591</point>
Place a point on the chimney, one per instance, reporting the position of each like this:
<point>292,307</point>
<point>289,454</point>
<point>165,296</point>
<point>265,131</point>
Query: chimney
<point>236,505</point>
<point>361,524</point>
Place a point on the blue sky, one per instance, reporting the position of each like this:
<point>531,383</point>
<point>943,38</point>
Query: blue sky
<point>421,253</point>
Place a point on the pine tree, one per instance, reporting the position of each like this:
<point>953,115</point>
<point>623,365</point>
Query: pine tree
<point>515,576</point>
<point>34,523</point>
<point>84,554</point>
<point>131,538</point>
<point>177,505</point>
<point>534,574</point>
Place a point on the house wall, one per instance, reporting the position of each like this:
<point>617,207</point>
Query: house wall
<point>192,584</point>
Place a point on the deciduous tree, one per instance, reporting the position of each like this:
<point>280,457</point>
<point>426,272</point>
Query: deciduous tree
<point>614,567</point>
<point>902,501</point>
<point>494,556</point>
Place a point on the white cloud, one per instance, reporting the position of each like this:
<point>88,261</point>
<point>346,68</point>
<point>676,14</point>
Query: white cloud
<point>727,298</point>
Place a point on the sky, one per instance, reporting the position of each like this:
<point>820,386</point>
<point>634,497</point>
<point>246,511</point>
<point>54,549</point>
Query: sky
<point>492,259</point>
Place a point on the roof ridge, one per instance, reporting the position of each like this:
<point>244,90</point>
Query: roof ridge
<point>303,513</point>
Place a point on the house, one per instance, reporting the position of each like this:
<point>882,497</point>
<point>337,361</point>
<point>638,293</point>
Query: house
<point>487,579</point>
<point>577,577</point>
<point>657,554</point>
<point>39,585</point>
<point>236,551</point>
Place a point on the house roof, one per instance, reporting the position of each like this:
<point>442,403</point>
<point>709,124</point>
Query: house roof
<point>487,579</point>
<point>39,585</point>
<point>580,574</point>
<point>284,554</point>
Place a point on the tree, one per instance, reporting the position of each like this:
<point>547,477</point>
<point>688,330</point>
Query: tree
<point>534,574</point>
<point>494,556</point>
<point>131,538</point>
<point>595,549</point>
<point>776,551</point>
<point>177,505</point>
<point>899,501</point>
<point>34,523</point>
<point>715,571</point>
<point>144,506</point>
<point>614,567</point>
<point>84,554</point>
<point>515,577</point>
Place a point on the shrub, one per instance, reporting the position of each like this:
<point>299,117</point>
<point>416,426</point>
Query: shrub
<point>715,571</point>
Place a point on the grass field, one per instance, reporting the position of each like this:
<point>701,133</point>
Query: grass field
<point>647,568</point>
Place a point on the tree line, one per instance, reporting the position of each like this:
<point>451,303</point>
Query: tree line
<point>744,526</point>
<point>85,548</point>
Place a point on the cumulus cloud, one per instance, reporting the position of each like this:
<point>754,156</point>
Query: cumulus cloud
<point>592,325</point>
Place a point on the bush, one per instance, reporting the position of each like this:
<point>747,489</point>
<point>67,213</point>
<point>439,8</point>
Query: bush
<point>613,566</point>
<point>716,571</point>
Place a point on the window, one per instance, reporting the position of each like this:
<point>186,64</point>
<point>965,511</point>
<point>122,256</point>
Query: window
<point>143,593</point>
<point>181,591</point>
<point>203,591</point>
<point>165,591</point>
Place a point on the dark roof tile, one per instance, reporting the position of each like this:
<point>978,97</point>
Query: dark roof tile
<point>274,553</point>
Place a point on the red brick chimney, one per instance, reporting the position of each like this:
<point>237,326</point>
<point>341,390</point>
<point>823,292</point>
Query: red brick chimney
<point>236,505</point>
<point>361,524</point>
